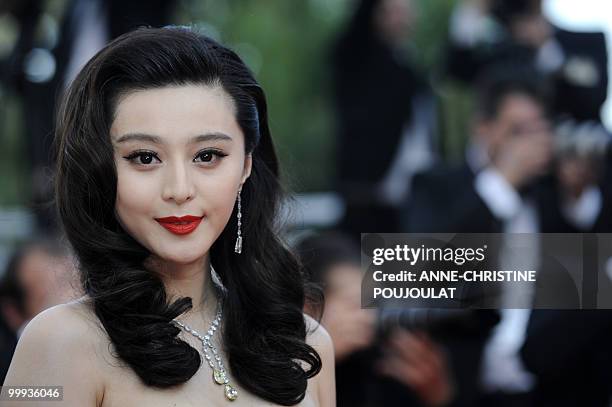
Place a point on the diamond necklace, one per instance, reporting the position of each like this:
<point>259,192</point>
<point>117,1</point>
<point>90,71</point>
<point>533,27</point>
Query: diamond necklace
<point>219,372</point>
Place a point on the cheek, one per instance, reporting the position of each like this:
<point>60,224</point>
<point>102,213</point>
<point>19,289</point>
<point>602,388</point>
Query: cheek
<point>223,200</point>
<point>135,196</point>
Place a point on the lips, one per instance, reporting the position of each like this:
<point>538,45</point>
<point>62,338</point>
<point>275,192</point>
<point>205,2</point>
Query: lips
<point>180,225</point>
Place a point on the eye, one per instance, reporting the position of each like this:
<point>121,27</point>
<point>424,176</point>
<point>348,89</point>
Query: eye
<point>209,156</point>
<point>144,157</point>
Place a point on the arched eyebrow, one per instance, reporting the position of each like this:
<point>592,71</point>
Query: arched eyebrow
<point>158,140</point>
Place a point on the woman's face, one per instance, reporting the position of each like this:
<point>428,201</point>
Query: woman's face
<point>178,151</point>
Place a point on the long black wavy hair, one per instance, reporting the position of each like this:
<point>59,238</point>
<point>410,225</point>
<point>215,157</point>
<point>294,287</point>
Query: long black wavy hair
<point>264,329</point>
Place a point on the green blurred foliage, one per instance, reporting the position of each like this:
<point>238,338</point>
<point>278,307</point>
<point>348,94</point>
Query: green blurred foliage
<point>14,174</point>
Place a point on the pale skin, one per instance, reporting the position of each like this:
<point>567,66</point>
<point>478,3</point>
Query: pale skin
<point>66,346</point>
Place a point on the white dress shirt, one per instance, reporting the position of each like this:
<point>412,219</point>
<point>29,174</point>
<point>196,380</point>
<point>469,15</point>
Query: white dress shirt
<point>502,367</point>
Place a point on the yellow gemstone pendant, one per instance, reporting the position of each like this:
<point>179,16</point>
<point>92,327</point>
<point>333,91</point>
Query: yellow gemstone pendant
<point>219,376</point>
<point>231,393</point>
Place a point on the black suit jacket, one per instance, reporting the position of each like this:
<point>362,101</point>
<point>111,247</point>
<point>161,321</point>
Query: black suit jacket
<point>444,200</point>
<point>569,351</point>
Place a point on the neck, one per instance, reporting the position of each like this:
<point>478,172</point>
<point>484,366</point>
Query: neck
<point>189,280</point>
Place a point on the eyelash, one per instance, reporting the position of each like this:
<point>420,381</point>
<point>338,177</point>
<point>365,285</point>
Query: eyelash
<point>144,153</point>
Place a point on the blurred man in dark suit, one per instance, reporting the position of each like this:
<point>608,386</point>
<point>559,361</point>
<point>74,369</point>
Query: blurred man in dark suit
<point>505,187</point>
<point>511,149</point>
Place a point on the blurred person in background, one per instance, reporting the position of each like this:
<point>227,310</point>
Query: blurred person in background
<point>39,275</point>
<point>46,57</point>
<point>385,114</point>
<point>568,350</point>
<point>520,174</point>
<point>488,32</point>
<point>405,368</point>
<point>510,151</point>
<point>580,167</point>
<point>520,178</point>
<point>494,191</point>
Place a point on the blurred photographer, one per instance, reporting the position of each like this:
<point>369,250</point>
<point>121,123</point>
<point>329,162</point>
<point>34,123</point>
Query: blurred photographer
<point>375,365</point>
<point>522,176</point>
<point>496,190</point>
<point>578,198</point>
<point>510,152</point>
<point>483,33</point>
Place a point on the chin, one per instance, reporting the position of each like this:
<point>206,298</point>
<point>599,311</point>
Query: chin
<point>182,258</point>
<point>180,252</point>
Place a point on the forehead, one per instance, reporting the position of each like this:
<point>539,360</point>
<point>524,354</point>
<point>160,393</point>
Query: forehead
<point>519,105</point>
<point>176,110</point>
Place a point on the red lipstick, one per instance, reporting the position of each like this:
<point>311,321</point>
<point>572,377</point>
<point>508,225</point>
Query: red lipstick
<point>180,225</point>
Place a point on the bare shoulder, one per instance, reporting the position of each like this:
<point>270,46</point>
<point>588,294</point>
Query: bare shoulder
<point>325,383</point>
<point>60,347</point>
<point>73,324</point>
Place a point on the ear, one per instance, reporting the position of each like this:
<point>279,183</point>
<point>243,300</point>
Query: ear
<point>248,164</point>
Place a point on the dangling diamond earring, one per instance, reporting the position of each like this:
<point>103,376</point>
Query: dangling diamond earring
<point>238,247</point>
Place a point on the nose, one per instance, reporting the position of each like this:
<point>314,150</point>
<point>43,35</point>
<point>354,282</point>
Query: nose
<point>178,185</point>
